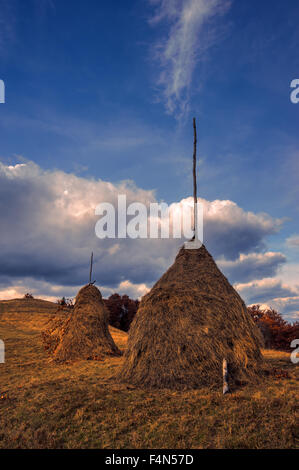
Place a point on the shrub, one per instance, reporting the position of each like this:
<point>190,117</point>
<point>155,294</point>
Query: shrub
<point>28,296</point>
<point>63,302</point>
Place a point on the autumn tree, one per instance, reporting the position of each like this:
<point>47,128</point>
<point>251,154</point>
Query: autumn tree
<point>277,332</point>
<point>122,310</point>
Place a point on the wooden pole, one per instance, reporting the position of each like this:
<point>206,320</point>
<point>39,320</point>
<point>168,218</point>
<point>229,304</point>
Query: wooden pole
<point>195,243</point>
<point>225,377</point>
<point>90,271</point>
<point>2,352</point>
<point>194,176</point>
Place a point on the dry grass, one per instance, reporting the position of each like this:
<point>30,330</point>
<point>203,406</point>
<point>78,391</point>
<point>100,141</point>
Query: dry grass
<point>79,405</point>
<point>27,306</point>
<point>187,324</point>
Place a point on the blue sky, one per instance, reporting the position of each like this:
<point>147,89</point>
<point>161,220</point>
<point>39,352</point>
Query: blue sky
<point>107,90</point>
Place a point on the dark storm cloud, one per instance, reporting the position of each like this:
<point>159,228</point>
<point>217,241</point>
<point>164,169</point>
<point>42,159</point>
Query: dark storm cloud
<point>47,232</point>
<point>230,231</point>
<point>252,266</point>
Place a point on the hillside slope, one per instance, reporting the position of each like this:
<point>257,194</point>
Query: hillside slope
<point>36,306</point>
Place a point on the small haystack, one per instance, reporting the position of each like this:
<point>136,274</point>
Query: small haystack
<point>185,327</point>
<point>85,333</point>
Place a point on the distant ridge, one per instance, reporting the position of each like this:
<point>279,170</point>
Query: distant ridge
<point>27,306</point>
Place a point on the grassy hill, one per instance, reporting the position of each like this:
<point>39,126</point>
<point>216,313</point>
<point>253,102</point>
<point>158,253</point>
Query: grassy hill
<point>27,306</point>
<point>81,405</point>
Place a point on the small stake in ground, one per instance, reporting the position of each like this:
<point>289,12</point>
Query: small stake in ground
<point>225,377</point>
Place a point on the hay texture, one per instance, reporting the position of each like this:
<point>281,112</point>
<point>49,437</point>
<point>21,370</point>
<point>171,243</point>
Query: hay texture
<point>186,325</point>
<point>84,334</point>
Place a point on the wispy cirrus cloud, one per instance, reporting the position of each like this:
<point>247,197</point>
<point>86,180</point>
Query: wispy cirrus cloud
<point>179,51</point>
<point>9,20</point>
<point>7,24</point>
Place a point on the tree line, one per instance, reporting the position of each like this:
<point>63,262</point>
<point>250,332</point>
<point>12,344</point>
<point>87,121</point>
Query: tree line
<point>277,332</point>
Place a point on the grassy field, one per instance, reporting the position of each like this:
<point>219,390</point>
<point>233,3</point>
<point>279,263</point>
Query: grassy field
<point>43,405</point>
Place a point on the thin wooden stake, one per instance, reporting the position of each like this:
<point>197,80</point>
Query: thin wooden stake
<point>225,377</point>
<point>194,176</point>
<point>90,272</point>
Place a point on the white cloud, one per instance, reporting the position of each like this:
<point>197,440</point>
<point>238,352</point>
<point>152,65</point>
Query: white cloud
<point>288,305</point>
<point>180,51</point>
<point>135,291</point>
<point>114,249</point>
<point>265,290</point>
<point>289,274</point>
<point>293,241</point>
<point>52,292</point>
<point>47,235</point>
<point>12,293</point>
<point>263,307</point>
<point>39,289</point>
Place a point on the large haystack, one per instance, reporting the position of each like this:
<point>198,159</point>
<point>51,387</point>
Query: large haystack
<point>85,333</point>
<point>186,325</point>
